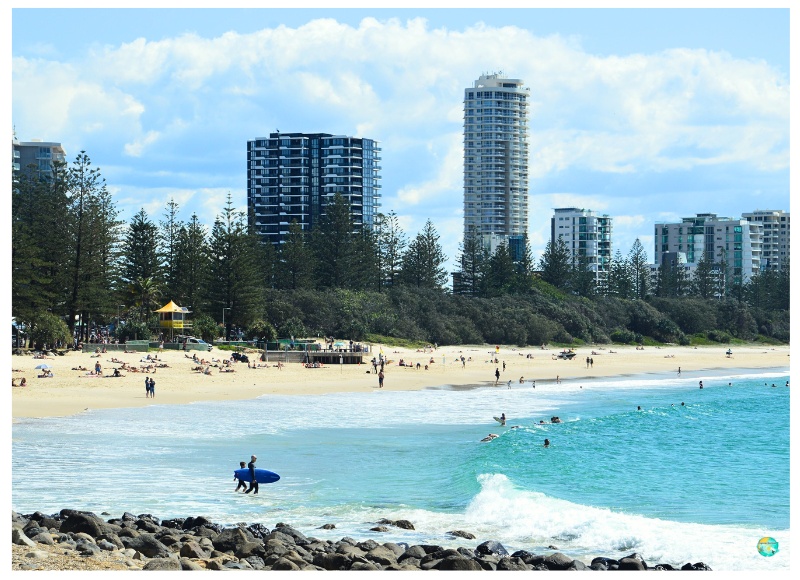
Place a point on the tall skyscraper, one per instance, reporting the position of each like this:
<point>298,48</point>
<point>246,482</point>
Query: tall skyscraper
<point>585,234</point>
<point>496,161</point>
<point>293,176</point>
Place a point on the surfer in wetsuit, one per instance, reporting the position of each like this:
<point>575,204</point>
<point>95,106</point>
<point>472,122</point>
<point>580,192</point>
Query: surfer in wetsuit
<point>253,483</point>
<point>241,483</point>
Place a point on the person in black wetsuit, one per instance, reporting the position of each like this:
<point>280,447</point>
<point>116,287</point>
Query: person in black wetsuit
<point>253,483</point>
<point>241,483</point>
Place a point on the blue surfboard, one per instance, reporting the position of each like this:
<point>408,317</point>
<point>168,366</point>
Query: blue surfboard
<point>262,475</point>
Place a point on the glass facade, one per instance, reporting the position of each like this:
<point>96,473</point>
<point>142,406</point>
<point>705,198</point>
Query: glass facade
<point>292,177</point>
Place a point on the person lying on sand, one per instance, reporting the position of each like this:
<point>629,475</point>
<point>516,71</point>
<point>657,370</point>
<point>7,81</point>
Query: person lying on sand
<point>79,368</point>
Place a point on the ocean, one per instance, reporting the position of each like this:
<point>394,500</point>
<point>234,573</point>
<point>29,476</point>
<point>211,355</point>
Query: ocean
<point>694,476</point>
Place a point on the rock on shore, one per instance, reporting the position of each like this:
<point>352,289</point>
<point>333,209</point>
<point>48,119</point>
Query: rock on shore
<point>80,540</point>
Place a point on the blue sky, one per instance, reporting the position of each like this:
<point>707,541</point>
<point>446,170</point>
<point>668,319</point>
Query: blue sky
<point>644,115</point>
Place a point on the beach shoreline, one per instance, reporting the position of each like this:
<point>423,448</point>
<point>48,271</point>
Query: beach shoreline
<point>70,391</point>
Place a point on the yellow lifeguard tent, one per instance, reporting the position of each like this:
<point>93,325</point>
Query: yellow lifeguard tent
<point>173,317</point>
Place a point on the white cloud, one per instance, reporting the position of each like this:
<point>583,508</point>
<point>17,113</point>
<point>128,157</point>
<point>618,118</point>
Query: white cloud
<point>448,178</point>
<point>135,149</point>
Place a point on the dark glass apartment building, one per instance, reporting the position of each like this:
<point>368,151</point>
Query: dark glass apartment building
<point>293,176</point>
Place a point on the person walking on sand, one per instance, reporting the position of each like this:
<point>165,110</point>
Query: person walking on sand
<point>241,483</point>
<point>496,376</point>
<point>253,483</point>
<point>380,379</point>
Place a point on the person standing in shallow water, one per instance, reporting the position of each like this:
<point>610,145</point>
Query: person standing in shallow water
<point>241,483</point>
<point>496,376</point>
<point>253,483</point>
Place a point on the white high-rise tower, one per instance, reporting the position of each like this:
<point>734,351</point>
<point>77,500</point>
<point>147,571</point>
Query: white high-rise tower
<point>496,161</point>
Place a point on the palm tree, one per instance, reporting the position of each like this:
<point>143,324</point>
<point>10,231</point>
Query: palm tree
<point>145,293</point>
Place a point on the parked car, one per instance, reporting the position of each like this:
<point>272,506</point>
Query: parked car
<point>192,340</point>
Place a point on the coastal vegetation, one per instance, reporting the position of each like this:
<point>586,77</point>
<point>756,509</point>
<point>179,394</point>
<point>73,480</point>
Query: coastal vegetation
<point>77,267</point>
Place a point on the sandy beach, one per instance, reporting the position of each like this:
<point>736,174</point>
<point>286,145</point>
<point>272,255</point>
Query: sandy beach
<point>71,391</point>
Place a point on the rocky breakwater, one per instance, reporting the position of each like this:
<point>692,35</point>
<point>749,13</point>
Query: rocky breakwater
<point>79,540</point>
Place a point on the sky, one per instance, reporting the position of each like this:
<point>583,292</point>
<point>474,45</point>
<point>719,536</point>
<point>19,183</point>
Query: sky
<point>646,115</point>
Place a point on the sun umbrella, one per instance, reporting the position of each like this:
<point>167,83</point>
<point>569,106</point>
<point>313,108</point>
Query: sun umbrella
<point>43,366</point>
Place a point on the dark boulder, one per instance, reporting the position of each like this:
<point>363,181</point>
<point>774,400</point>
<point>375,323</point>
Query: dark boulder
<point>577,565</point>
<point>256,562</point>
<point>696,566</point>
<point>88,549</point>
<point>45,521</point>
<point>404,524</point>
<point>417,552</point>
<point>332,561</point>
<point>382,555</point>
<point>632,562</point>
<point>491,547</point>
<point>192,549</point>
<point>458,562</point>
<point>284,564</point>
<point>163,564</point>
<point>367,545</point>
<point>557,561</point>
<point>86,522</point>
<point>462,534</point>
<point>259,531</point>
<point>466,552</point>
<point>511,563</point>
<point>146,525</point>
<point>195,522</point>
<point>607,562</point>
<point>298,537</point>
<point>231,539</point>
<point>396,548</point>
<point>147,545</point>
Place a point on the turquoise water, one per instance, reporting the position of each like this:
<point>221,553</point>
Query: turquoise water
<point>677,483</point>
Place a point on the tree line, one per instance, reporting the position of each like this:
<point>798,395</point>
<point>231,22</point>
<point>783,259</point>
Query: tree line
<point>77,266</point>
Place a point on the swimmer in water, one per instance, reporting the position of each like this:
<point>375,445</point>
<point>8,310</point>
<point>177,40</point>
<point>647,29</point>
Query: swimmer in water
<point>547,443</point>
<point>639,408</point>
<point>701,384</point>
